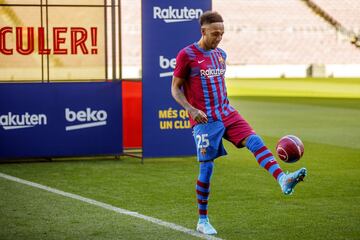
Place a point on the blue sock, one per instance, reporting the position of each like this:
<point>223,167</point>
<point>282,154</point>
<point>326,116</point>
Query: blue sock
<point>203,187</point>
<point>263,156</point>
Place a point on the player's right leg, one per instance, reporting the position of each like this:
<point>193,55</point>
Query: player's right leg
<point>264,157</point>
<point>240,133</point>
<point>267,160</point>
<point>208,139</point>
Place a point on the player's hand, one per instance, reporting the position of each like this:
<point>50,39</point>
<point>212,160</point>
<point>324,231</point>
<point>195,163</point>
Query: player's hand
<point>198,115</point>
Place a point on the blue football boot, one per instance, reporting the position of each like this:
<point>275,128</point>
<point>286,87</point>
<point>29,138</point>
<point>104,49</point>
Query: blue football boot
<point>205,227</point>
<point>289,181</point>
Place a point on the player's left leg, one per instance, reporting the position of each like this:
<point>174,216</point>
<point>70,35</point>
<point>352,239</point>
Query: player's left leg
<point>202,192</point>
<point>203,187</point>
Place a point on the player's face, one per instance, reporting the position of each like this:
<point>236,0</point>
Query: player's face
<point>212,34</point>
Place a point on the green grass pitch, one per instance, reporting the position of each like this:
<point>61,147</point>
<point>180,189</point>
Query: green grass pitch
<point>245,201</point>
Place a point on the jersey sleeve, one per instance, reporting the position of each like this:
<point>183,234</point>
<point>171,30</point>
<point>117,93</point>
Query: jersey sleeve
<point>182,67</point>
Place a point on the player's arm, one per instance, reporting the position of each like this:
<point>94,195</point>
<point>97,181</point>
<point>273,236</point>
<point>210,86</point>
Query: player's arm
<point>196,114</point>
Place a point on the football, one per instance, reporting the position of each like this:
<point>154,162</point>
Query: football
<point>290,149</point>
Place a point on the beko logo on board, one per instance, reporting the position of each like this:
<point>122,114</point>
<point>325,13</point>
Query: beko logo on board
<point>167,64</point>
<point>173,15</point>
<point>87,118</point>
<point>11,121</point>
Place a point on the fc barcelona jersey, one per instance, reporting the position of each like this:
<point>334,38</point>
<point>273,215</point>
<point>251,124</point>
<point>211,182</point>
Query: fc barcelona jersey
<point>204,88</point>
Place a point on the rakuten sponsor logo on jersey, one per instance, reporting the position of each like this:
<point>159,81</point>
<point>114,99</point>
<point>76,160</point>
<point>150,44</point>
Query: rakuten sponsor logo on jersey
<point>167,64</point>
<point>173,15</point>
<point>212,72</point>
<point>12,121</point>
<point>85,119</point>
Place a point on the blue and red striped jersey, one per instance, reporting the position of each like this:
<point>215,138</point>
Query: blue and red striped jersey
<point>204,88</point>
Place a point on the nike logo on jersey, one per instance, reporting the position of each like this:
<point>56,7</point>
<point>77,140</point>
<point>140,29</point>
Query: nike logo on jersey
<point>201,61</point>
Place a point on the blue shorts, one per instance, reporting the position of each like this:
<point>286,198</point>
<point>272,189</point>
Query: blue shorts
<point>208,139</point>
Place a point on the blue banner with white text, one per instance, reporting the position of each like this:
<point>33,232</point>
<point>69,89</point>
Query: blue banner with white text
<point>60,119</point>
<point>167,27</point>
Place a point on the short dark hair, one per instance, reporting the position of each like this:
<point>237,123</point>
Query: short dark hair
<point>209,17</point>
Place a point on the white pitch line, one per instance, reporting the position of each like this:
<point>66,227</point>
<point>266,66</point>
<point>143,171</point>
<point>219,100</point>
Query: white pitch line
<point>111,208</point>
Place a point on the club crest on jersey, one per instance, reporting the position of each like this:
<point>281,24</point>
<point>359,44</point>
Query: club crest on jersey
<point>203,151</point>
<point>221,60</point>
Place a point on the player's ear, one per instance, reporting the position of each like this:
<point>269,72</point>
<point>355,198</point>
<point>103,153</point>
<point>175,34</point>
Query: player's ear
<point>203,31</point>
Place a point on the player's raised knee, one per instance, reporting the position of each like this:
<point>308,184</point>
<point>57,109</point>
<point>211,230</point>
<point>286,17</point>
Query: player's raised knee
<point>254,142</point>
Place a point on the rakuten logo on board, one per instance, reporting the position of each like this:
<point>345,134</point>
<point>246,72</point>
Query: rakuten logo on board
<point>85,119</point>
<point>11,121</point>
<point>173,15</point>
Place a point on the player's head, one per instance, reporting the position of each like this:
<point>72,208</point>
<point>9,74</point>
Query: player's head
<point>212,28</point>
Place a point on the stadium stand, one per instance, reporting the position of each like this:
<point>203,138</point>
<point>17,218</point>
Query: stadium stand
<point>281,32</point>
<point>131,37</point>
<point>346,12</point>
<point>131,21</point>
<point>340,20</point>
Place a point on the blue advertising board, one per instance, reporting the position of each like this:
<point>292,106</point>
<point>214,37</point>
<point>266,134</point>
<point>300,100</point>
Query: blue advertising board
<point>60,119</point>
<point>167,27</point>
